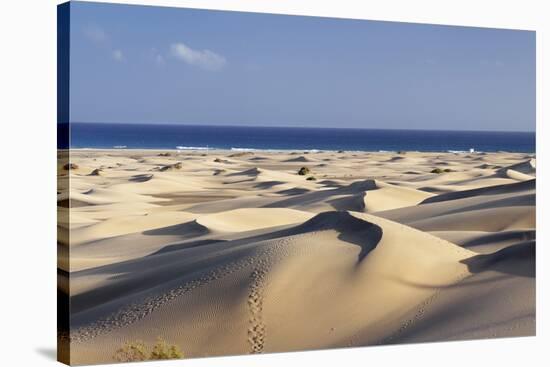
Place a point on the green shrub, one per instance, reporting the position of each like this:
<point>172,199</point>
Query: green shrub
<point>436,170</point>
<point>311,178</point>
<point>303,171</point>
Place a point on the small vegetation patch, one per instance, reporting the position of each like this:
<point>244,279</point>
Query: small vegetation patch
<point>138,351</point>
<point>163,350</point>
<point>311,178</point>
<point>439,170</point>
<point>131,352</point>
<point>167,154</point>
<point>303,171</point>
<point>219,160</point>
<point>96,172</point>
<point>69,166</point>
<point>177,165</point>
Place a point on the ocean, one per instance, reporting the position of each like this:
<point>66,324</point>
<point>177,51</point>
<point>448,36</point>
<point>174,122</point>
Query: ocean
<point>142,136</point>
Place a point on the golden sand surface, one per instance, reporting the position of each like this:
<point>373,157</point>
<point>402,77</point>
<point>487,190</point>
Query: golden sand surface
<point>225,253</point>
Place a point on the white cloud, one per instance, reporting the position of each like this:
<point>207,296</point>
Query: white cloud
<point>118,55</point>
<point>204,59</point>
<point>95,33</point>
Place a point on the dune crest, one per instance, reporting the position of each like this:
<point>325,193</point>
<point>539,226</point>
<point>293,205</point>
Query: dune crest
<point>241,220</point>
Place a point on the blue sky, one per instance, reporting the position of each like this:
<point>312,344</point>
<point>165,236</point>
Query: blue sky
<point>144,64</point>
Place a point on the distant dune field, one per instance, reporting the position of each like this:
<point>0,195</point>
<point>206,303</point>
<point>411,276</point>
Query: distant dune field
<point>222,253</point>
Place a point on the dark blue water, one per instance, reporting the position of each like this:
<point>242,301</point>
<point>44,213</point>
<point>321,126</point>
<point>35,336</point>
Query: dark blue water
<point>91,135</point>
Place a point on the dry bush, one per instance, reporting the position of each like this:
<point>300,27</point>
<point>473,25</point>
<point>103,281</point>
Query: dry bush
<point>131,352</point>
<point>138,351</point>
<point>163,350</point>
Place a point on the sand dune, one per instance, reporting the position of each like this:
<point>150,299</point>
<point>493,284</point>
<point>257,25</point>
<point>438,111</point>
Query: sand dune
<point>481,206</point>
<point>127,224</point>
<point>527,167</point>
<point>378,249</point>
<point>298,159</point>
<point>356,249</point>
<point>241,220</point>
<point>495,301</point>
<point>98,196</point>
<point>486,242</point>
<point>388,197</point>
<point>515,175</point>
<point>489,190</point>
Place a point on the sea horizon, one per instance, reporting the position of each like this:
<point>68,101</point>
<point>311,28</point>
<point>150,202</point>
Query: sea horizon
<point>290,126</point>
<point>88,135</point>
